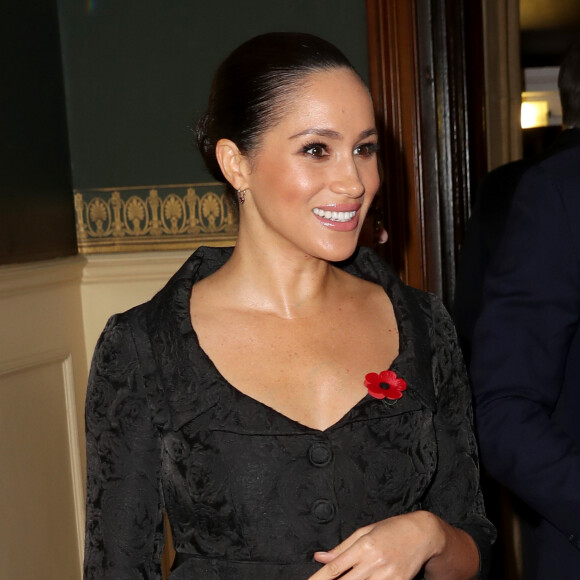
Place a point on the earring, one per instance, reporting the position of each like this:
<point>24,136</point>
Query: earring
<point>241,195</point>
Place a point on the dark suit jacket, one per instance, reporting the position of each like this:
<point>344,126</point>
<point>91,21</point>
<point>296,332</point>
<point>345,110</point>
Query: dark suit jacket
<point>526,359</point>
<point>484,231</point>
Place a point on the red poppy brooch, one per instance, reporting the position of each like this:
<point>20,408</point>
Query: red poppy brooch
<point>386,386</point>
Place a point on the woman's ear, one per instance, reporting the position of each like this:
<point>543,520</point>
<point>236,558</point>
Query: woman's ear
<point>233,163</point>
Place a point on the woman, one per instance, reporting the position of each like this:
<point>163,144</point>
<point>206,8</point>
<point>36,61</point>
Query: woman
<point>245,398</point>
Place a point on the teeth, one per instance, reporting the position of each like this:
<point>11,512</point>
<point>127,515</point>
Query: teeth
<point>334,216</point>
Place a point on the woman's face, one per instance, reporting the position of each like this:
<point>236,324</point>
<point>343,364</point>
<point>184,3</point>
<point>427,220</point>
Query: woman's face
<point>315,173</point>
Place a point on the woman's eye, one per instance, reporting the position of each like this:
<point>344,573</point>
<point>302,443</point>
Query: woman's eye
<point>316,150</point>
<point>366,149</point>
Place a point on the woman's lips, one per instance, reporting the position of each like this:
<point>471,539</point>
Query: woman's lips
<point>334,216</point>
<point>342,218</point>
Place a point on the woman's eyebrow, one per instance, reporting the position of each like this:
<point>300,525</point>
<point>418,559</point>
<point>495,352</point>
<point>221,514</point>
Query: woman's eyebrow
<point>331,133</point>
<point>368,133</point>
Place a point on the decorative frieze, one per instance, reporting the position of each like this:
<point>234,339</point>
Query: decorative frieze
<point>164,217</point>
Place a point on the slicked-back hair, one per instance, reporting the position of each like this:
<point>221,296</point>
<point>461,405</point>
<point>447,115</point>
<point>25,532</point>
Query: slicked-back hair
<point>254,84</point>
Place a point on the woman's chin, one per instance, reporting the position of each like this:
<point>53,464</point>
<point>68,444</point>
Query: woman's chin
<point>338,252</point>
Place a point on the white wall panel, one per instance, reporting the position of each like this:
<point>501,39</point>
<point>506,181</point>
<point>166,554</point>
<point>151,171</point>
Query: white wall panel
<point>43,373</point>
<point>40,482</point>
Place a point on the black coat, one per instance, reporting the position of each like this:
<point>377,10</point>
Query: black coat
<point>250,493</point>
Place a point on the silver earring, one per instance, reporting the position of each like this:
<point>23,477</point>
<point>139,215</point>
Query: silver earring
<point>242,195</point>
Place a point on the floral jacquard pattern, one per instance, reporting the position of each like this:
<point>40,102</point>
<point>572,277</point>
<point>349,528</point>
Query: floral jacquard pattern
<point>124,535</point>
<point>251,494</point>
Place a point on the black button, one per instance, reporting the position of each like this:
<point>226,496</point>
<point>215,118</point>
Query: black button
<point>319,454</point>
<point>323,510</point>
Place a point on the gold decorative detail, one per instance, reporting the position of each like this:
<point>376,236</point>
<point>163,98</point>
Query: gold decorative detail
<point>148,218</point>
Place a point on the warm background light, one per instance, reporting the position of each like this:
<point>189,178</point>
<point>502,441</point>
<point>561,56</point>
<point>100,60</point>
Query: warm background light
<point>534,114</point>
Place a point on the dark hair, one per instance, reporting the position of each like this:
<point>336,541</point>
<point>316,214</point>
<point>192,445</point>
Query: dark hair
<point>252,85</point>
<point>569,85</point>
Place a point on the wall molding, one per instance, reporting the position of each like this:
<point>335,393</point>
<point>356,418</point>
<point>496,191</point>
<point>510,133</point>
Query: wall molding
<point>31,361</point>
<point>24,278</point>
<point>132,267</point>
<point>74,448</point>
<point>158,217</point>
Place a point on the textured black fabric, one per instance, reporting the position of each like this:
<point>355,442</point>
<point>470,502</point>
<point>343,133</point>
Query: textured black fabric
<point>249,491</point>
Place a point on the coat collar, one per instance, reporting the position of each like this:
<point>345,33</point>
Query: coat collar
<point>174,343</point>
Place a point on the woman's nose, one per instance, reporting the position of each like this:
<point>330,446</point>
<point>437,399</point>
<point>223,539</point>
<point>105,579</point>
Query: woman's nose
<point>347,180</point>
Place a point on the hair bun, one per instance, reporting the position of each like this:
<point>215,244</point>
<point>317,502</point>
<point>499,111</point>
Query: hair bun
<point>206,147</point>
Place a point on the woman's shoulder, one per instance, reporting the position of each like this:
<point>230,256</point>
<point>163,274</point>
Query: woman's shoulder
<point>366,264</point>
<point>176,291</point>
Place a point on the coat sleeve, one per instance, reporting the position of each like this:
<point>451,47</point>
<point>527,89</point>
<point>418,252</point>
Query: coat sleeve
<point>455,493</point>
<point>520,352</point>
<point>124,526</point>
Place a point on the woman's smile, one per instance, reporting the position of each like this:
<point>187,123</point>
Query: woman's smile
<point>337,218</point>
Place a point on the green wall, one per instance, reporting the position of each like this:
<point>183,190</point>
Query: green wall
<point>100,95</point>
<point>137,74</point>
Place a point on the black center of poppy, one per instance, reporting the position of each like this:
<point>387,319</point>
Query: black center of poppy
<point>384,385</point>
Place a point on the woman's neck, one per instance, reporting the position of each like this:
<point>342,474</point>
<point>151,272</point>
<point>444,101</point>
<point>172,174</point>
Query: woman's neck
<point>282,283</point>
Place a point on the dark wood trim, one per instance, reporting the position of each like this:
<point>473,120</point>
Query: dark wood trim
<point>418,80</point>
<point>475,85</point>
<point>391,34</point>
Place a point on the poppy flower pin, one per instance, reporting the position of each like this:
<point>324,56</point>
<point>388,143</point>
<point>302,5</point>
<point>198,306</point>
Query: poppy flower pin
<point>386,386</point>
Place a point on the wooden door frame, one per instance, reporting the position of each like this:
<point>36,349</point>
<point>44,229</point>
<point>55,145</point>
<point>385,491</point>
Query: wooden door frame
<point>431,122</point>
<point>432,93</point>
